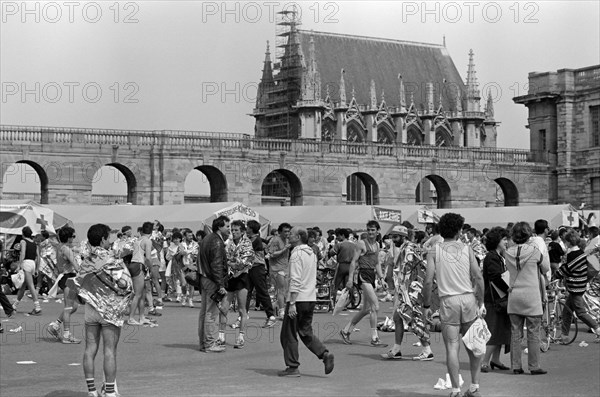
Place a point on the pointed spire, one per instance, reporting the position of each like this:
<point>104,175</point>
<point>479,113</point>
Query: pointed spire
<point>382,96</point>
<point>472,85</point>
<point>412,99</point>
<point>327,93</point>
<point>311,54</point>
<point>267,75</point>
<point>430,98</point>
<point>489,107</point>
<point>353,93</point>
<point>373,95</point>
<point>342,89</point>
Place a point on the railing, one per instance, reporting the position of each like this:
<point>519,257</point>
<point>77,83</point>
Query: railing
<point>170,139</point>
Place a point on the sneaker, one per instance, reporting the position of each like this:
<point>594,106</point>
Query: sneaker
<point>154,313</point>
<point>376,342</point>
<point>423,357</point>
<point>133,322</point>
<point>270,323</point>
<point>345,337</point>
<point>178,299</point>
<point>166,299</point>
<point>71,340</point>
<point>191,303</point>
<point>470,393</point>
<point>239,344</point>
<point>93,393</point>
<point>456,394</point>
<point>35,312</point>
<point>216,348</point>
<point>328,361</point>
<point>237,324</point>
<point>391,355</point>
<point>53,329</point>
<point>291,372</point>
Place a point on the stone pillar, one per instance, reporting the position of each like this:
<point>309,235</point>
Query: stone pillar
<point>429,132</point>
<point>371,128</point>
<point>457,131</point>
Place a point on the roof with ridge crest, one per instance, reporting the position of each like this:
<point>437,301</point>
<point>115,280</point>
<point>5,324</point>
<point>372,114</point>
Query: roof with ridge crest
<point>382,60</point>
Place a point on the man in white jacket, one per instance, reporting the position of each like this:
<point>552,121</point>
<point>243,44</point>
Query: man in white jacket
<point>301,300</point>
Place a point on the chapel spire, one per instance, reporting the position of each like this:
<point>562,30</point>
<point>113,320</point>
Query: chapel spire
<point>473,95</point>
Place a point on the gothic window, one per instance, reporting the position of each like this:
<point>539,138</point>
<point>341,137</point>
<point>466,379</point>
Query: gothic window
<point>327,130</point>
<point>442,137</point>
<point>385,134</point>
<point>414,136</point>
<point>354,133</point>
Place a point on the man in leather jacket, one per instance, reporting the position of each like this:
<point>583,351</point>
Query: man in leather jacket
<point>212,265</point>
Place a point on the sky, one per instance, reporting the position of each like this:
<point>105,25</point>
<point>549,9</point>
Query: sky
<point>191,65</point>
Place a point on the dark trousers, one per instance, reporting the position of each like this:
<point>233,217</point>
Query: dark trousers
<point>576,303</point>
<point>299,325</point>
<point>257,279</point>
<point>5,303</point>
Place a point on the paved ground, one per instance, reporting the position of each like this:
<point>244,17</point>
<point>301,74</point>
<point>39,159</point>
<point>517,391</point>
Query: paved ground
<point>165,361</point>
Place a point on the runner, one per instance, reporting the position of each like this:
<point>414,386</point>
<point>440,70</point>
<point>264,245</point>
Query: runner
<point>409,274</point>
<point>279,252</point>
<point>69,267</point>
<point>366,256</point>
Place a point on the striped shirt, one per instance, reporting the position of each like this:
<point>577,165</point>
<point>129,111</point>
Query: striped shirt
<point>575,272</point>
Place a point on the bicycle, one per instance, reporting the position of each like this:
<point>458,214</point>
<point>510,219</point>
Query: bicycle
<point>552,319</point>
<point>591,297</point>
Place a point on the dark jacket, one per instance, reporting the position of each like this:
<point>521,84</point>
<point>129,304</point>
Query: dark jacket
<point>493,267</point>
<point>212,258</point>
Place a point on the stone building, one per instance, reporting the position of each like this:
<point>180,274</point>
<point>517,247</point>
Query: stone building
<point>564,118</point>
<point>327,87</point>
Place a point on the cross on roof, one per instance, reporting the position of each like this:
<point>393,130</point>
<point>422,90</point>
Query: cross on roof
<point>42,221</point>
<point>570,219</point>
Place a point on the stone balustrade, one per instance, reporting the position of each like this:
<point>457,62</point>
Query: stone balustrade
<point>171,139</point>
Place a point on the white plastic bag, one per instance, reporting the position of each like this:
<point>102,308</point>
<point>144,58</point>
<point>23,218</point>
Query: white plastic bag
<point>342,301</point>
<point>18,279</point>
<point>477,336</point>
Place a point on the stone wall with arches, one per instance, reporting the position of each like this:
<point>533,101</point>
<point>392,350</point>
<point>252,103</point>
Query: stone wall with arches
<point>236,168</point>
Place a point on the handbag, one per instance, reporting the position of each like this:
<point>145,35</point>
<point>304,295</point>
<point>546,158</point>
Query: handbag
<point>500,304</point>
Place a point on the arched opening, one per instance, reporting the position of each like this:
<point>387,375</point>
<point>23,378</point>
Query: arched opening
<point>414,136</point>
<point>361,189</point>
<point>355,132</point>
<point>434,191</point>
<point>205,184</point>
<point>25,180</point>
<point>281,187</point>
<point>114,183</point>
<point>443,137</point>
<point>507,195</point>
<point>385,134</point>
<point>327,130</point>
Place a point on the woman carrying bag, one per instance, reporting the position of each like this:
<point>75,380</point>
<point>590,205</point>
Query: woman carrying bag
<point>526,265</point>
<point>495,299</point>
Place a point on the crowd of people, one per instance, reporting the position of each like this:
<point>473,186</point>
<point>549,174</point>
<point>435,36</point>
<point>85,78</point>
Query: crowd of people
<point>450,272</point>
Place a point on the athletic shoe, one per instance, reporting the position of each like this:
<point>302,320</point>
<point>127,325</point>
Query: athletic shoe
<point>53,329</point>
<point>166,299</point>
<point>35,312</point>
<point>328,361</point>
<point>423,357</point>
<point>154,313</point>
<point>376,342</point>
<point>71,340</point>
<point>178,298</point>
<point>270,323</point>
<point>93,393</point>
<point>391,356</point>
<point>456,394</point>
<point>470,393</point>
<point>290,372</point>
<point>134,322</point>
<point>191,303</point>
<point>345,337</point>
<point>216,348</point>
<point>239,344</point>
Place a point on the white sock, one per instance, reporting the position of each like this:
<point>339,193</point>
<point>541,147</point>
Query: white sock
<point>474,387</point>
<point>374,334</point>
<point>427,349</point>
<point>221,335</point>
<point>456,390</point>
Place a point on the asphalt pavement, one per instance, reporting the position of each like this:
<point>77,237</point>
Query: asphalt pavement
<point>165,361</point>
